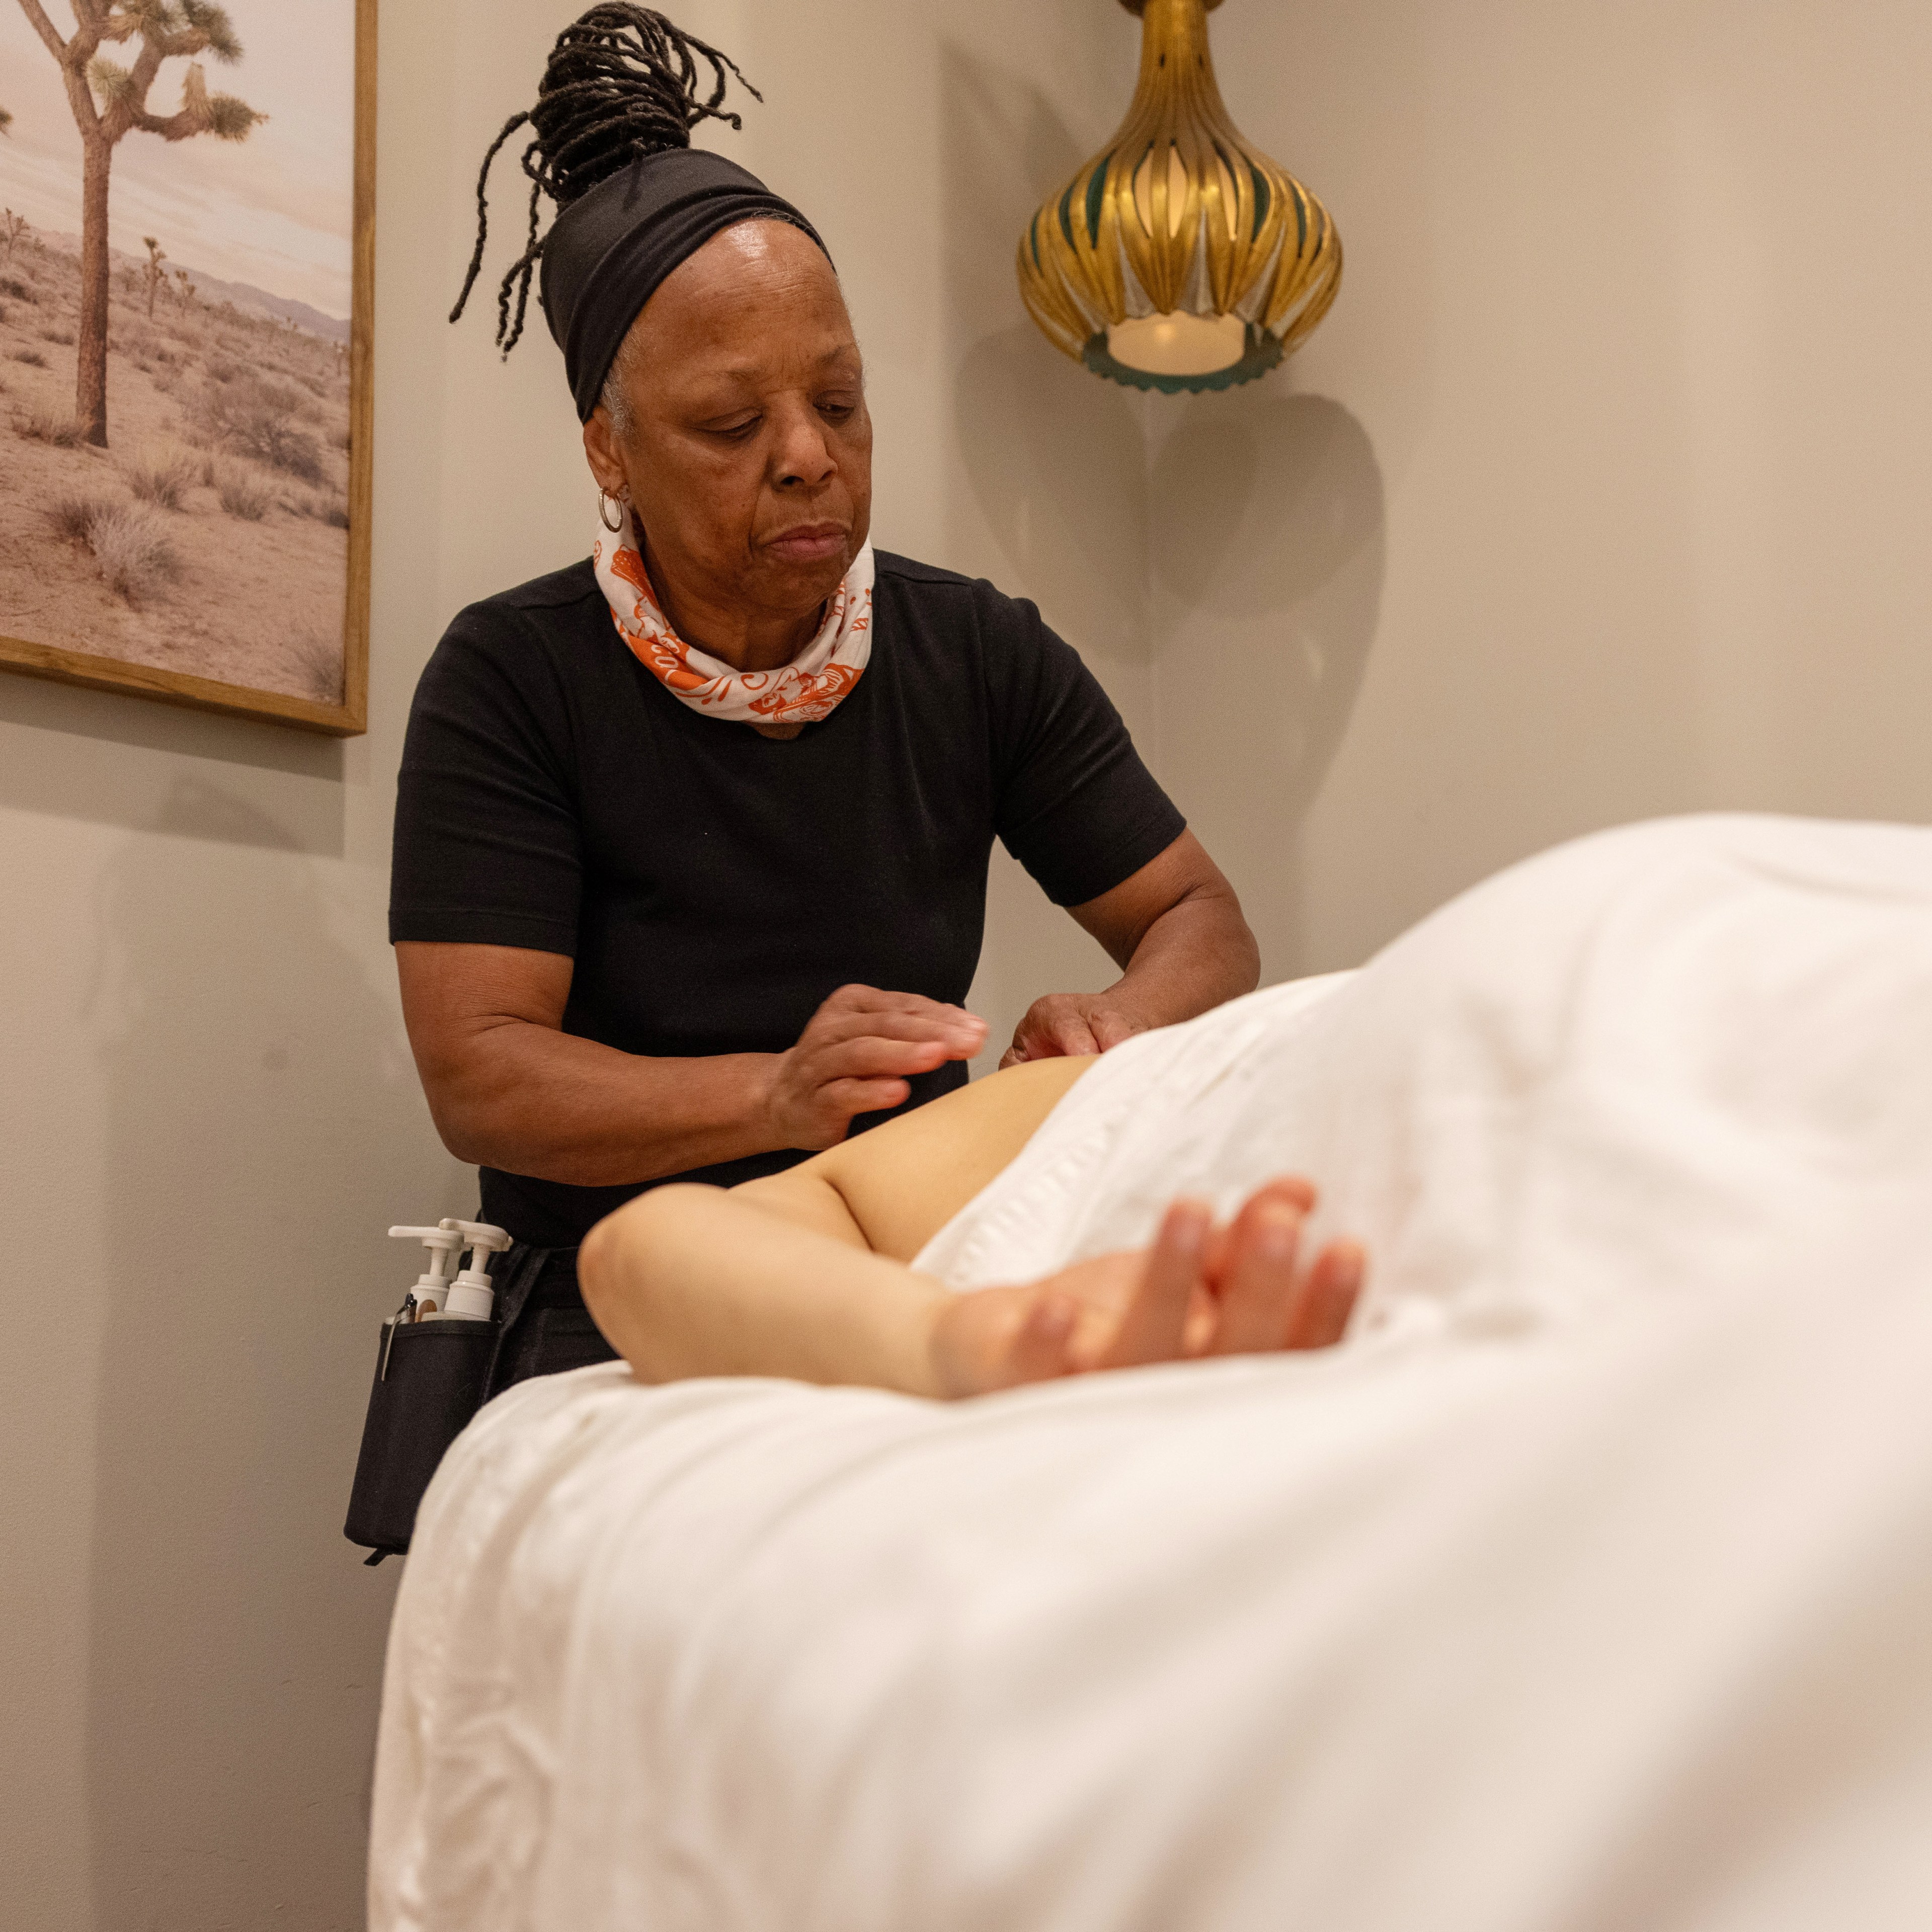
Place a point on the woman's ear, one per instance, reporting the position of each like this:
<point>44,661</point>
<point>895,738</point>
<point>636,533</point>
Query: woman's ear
<point>601,451</point>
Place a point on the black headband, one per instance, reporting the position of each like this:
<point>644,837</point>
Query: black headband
<point>609,250</point>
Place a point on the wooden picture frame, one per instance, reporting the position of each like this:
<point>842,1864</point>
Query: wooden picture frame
<point>232,492</point>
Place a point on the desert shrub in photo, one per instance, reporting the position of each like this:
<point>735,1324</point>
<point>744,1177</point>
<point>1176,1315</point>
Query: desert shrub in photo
<point>218,507</point>
<point>44,426</point>
<point>72,517</point>
<point>242,497</point>
<point>318,655</point>
<point>333,510</point>
<point>132,549</point>
<point>255,417</point>
<point>161,480</point>
<point>20,291</point>
<point>128,542</point>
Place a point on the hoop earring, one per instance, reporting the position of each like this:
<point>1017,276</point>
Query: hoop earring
<point>604,496</point>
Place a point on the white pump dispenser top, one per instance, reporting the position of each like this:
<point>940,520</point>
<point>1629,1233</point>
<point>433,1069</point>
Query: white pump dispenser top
<point>444,1244</point>
<point>470,1293</point>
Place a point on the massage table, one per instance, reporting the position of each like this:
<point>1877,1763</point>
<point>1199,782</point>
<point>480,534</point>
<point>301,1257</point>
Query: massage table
<point>1587,1587</point>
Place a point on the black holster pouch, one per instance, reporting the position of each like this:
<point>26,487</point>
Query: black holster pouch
<point>431,1378</point>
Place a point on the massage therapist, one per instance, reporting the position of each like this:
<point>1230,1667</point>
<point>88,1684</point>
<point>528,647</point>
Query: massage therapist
<point>691,842</point>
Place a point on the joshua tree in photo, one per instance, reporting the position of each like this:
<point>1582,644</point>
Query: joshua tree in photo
<point>109,101</point>
<point>153,273</point>
<point>184,288</point>
<point>12,227</point>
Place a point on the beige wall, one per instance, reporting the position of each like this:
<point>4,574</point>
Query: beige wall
<point>1601,494</point>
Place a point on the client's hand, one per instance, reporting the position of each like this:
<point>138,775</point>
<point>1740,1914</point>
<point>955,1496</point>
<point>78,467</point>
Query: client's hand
<point>1198,1290</point>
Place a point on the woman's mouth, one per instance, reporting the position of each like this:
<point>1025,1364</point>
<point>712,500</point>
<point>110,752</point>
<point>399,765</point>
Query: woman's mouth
<point>809,543</point>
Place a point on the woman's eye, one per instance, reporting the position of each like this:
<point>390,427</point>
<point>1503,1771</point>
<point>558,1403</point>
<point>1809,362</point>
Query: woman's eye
<point>736,432</point>
<point>837,407</point>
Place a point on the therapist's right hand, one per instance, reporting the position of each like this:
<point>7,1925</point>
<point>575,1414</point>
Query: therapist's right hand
<point>856,1056</point>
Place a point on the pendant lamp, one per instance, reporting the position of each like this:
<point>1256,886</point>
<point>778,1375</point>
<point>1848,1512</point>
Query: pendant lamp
<point>1180,257</point>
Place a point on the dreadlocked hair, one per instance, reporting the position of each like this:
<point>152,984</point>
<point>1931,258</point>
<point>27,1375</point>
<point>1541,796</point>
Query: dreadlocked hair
<point>621,81</point>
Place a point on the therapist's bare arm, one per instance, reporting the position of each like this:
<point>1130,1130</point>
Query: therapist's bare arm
<point>508,1088</point>
<point>1176,928</point>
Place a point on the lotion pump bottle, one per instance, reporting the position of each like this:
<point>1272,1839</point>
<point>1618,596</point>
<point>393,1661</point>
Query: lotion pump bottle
<point>431,1292</point>
<point>470,1294</point>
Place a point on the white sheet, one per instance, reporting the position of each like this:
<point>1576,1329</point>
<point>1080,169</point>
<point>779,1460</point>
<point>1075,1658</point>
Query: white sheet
<point>1586,1587</point>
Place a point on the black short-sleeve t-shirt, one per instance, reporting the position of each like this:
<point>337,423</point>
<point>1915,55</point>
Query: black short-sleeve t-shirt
<point>713,887</point>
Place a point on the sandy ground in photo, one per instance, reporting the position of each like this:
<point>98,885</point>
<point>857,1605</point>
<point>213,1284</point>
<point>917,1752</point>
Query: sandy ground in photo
<point>222,397</point>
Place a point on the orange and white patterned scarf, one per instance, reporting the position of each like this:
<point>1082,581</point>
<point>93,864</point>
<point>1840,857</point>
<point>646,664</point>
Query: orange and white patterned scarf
<point>800,693</point>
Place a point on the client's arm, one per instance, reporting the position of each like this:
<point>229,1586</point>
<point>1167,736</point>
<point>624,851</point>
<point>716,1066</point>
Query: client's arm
<point>804,1276</point>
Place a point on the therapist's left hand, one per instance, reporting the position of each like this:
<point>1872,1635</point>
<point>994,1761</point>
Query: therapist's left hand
<point>1069,1025</point>
<point>1175,930</point>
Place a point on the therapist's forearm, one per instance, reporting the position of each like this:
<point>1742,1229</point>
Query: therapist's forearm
<point>1176,930</point>
<point>532,1100</point>
<point>1196,955</point>
<point>509,1088</point>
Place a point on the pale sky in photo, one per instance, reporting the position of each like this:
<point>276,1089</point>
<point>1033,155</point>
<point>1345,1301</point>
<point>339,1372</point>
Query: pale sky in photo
<point>274,210</point>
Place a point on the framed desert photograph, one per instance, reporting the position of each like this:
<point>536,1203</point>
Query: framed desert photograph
<point>185,304</point>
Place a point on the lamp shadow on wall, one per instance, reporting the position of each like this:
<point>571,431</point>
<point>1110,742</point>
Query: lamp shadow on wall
<point>1267,541</point>
<point>1218,559</point>
<point>1055,459</point>
<point>1055,464</point>
<point>257,1091</point>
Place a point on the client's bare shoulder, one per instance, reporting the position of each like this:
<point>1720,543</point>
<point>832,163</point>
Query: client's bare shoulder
<point>902,1183</point>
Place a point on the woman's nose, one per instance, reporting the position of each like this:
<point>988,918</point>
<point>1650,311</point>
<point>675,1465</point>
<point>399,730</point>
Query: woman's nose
<point>804,458</point>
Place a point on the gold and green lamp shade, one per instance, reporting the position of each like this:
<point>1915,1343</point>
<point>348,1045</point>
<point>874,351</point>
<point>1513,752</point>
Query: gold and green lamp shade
<point>1180,257</point>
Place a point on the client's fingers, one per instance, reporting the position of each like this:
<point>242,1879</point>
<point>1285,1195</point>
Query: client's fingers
<point>1225,1243</point>
<point>1257,1291</point>
<point>1318,1318</point>
<point>1039,1351</point>
<point>1295,1189</point>
<point>1154,1327</point>
<point>997,1338</point>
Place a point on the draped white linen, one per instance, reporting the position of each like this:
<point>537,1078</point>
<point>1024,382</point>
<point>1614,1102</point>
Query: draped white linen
<point>1586,1586</point>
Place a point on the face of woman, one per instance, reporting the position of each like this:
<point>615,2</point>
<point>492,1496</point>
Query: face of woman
<point>747,451</point>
